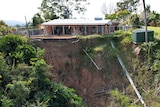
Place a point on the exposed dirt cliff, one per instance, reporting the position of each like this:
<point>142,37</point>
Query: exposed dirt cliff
<point>71,68</point>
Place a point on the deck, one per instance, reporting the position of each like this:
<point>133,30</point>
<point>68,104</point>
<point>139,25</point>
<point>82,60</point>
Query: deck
<point>53,37</point>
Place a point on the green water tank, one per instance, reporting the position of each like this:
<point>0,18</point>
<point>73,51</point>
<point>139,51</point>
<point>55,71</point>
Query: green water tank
<point>138,36</point>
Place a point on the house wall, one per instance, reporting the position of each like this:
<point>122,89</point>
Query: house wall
<point>79,29</point>
<point>48,30</point>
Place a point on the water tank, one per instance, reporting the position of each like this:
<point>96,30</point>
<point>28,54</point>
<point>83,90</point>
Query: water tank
<point>138,36</point>
<point>98,18</point>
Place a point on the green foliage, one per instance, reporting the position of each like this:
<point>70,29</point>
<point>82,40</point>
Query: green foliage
<point>37,19</point>
<point>130,5</point>
<point>62,9</point>
<point>18,91</point>
<point>41,75</point>
<point>47,10</point>
<point>37,104</point>
<point>4,71</point>
<point>59,96</point>
<point>122,34</point>
<point>16,50</point>
<point>154,18</point>
<point>64,97</point>
<point>124,37</point>
<point>4,29</point>
<point>120,99</point>
<point>89,37</point>
<point>135,21</point>
<point>25,53</point>
<point>6,102</point>
<point>143,68</point>
<point>126,40</point>
<point>24,77</point>
<point>119,32</point>
<point>121,14</point>
<point>111,16</point>
<point>147,49</point>
<point>9,43</point>
<point>156,63</point>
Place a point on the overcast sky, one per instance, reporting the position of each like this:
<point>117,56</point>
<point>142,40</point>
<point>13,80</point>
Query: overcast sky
<point>18,9</point>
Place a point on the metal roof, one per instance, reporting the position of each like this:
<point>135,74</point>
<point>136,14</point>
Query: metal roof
<point>77,22</point>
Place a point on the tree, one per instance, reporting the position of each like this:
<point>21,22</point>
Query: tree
<point>148,14</point>
<point>130,5</point>
<point>37,19</point>
<point>8,45</point>
<point>4,29</point>
<point>19,91</point>
<point>135,21</point>
<point>107,9</point>
<point>118,15</point>
<point>28,84</point>
<point>63,96</point>
<point>62,8</point>
<point>154,18</point>
<point>47,10</point>
<point>148,9</point>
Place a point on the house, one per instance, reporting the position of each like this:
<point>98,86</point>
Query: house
<point>78,27</point>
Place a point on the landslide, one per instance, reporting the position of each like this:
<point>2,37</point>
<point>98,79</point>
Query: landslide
<point>73,68</point>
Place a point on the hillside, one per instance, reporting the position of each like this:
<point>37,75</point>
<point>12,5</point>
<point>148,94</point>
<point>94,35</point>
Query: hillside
<point>109,85</point>
<point>74,69</point>
<point>14,23</point>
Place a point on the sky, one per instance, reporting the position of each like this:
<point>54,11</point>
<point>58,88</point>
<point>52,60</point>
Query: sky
<point>18,9</point>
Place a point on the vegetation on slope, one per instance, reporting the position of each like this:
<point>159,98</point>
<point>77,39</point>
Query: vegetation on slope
<point>102,47</point>
<point>24,77</point>
<point>4,29</point>
<point>143,67</point>
<point>22,68</point>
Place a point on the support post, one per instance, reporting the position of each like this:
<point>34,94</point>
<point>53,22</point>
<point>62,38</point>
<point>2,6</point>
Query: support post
<point>44,30</point>
<point>63,30</point>
<point>102,28</point>
<point>74,31</point>
<point>27,27</point>
<point>85,30</point>
<point>145,21</point>
<point>97,29</point>
<point>53,30</point>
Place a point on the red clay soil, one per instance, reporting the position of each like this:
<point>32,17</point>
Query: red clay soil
<point>91,84</point>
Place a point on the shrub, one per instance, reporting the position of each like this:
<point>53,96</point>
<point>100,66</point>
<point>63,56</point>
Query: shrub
<point>126,40</point>
<point>120,99</point>
<point>119,32</point>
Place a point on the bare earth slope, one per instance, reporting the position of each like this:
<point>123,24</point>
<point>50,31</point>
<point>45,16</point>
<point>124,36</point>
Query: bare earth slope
<point>70,69</point>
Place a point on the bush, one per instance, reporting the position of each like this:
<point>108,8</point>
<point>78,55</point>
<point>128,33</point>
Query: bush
<point>126,41</point>
<point>120,99</point>
<point>119,32</point>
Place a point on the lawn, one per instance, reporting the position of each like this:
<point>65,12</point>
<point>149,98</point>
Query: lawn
<point>156,31</point>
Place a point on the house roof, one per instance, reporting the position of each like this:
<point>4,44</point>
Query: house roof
<point>77,22</point>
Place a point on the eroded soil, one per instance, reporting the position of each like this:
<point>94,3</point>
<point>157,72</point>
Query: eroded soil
<point>70,68</point>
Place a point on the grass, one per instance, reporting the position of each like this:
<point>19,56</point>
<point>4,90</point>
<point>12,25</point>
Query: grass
<point>156,31</point>
<point>90,36</point>
<point>100,48</point>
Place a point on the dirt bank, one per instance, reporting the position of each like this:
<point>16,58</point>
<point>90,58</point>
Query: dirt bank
<point>70,68</point>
